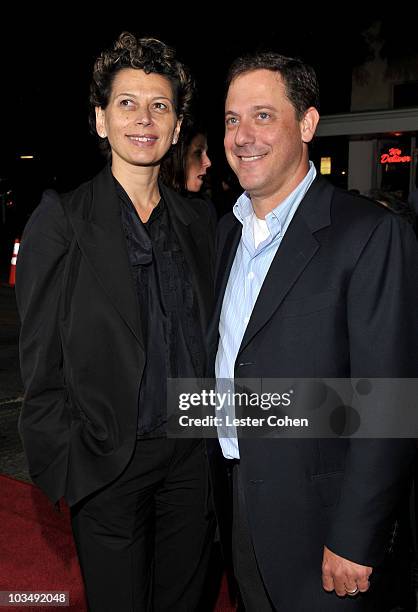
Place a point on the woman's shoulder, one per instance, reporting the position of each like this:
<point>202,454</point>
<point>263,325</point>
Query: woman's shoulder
<point>202,201</point>
<point>51,212</point>
<point>192,205</point>
<point>48,221</point>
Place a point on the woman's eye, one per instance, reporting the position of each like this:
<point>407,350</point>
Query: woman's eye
<point>126,103</point>
<point>160,105</point>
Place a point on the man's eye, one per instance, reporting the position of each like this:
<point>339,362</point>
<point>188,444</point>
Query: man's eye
<point>264,115</point>
<point>231,121</point>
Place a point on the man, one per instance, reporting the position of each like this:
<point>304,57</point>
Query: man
<point>311,282</point>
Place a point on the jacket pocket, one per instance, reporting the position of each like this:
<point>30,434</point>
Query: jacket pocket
<point>309,304</point>
<point>95,437</point>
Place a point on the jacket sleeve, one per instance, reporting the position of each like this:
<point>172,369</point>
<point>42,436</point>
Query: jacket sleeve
<point>382,305</point>
<point>44,422</point>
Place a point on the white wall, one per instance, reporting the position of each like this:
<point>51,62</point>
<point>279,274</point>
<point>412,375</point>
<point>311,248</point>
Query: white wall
<point>362,165</point>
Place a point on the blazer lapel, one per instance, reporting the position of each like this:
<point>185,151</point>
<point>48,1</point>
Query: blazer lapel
<point>194,239</point>
<point>298,247</point>
<point>99,233</point>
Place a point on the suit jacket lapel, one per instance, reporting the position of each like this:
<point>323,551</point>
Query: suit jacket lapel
<point>290,260</point>
<point>98,229</point>
<point>298,247</point>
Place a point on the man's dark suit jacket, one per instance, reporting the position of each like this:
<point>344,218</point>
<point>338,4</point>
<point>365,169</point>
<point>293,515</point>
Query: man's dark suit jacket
<point>82,354</point>
<point>339,300</point>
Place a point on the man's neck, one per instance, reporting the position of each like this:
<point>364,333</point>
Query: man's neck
<point>263,204</point>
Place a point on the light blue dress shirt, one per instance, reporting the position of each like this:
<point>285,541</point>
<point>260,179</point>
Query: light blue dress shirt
<point>247,275</point>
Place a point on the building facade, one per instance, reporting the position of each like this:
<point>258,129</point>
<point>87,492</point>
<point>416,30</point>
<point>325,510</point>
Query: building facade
<point>379,137</point>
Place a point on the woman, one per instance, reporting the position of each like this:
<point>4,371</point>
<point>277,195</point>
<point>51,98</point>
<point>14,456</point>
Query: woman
<point>197,162</point>
<point>185,168</point>
<point>114,287</point>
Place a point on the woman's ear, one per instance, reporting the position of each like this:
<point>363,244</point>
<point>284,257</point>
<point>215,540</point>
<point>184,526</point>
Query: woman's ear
<point>100,122</point>
<point>177,130</point>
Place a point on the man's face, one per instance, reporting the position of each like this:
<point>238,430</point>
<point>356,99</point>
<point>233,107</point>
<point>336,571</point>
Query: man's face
<point>264,140</point>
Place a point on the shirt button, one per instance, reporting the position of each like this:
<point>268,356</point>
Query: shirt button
<point>250,275</point>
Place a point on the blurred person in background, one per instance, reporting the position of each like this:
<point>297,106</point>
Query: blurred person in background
<point>197,162</point>
<point>185,167</point>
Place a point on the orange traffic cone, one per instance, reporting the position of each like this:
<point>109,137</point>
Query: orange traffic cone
<point>12,275</point>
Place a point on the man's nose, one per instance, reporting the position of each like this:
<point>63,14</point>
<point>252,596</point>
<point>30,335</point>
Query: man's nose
<point>244,134</point>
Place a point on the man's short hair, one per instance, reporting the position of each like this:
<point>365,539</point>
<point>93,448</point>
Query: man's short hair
<point>299,78</point>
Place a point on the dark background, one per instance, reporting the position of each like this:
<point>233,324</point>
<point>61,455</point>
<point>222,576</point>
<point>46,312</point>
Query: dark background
<point>46,61</point>
<point>46,68</point>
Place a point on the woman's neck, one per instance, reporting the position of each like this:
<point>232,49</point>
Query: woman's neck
<point>141,185</point>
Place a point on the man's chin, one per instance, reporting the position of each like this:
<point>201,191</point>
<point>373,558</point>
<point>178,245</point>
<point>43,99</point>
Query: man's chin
<point>249,180</point>
<point>249,186</point>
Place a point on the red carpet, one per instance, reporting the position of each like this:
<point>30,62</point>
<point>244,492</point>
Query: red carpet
<point>37,551</point>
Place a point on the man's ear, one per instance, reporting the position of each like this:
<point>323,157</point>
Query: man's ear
<point>309,123</point>
<point>100,122</point>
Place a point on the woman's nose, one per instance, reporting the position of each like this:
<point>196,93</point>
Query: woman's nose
<point>144,117</point>
<point>206,163</point>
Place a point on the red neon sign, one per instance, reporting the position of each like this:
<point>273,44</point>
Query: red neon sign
<point>394,157</point>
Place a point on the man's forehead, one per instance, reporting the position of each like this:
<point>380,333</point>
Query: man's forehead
<point>259,76</point>
<point>255,88</point>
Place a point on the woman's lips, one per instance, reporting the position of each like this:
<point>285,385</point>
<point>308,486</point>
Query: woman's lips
<point>142,139</point>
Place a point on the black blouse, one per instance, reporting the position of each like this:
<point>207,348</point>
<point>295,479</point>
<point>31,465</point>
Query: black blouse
<point>168,310</point>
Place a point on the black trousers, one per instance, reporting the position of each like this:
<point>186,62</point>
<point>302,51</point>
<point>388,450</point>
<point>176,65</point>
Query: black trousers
<point>144,541</point>
<point>252,590</point>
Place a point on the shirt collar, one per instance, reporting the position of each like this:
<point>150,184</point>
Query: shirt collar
<point>276,218</point>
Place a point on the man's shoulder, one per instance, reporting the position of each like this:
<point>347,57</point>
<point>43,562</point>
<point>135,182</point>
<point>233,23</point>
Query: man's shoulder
<point>354,211</point>
<point>343,203</point>
<point>357,220</point>
<point>357,203</point>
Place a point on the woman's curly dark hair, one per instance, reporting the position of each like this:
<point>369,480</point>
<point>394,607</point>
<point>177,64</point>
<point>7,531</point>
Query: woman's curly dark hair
<point>148,54</point>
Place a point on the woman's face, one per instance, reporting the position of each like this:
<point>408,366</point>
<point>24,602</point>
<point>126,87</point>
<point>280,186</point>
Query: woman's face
<point>197,162</point>
<point>140,120</point>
